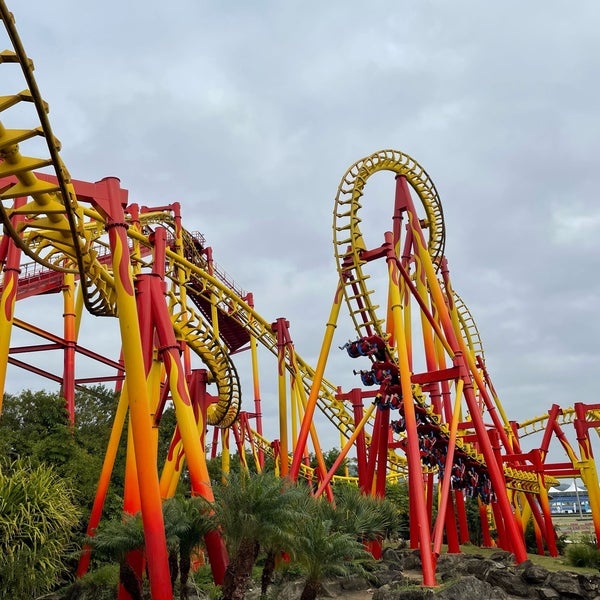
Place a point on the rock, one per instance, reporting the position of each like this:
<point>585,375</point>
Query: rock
<point>502,556</point>
<point>479,568</point>
<point>326,590</point>
<point>451,565</point>
<point>469,588</point>
<point>391,556</point>
<point>534,574</point>
<point>547,593</point>
<point>590,584</point>
<point>566,585</point>
<point>392,592</point>
<point>290,590</point>
<point>410,560</point>
<point>354,583</point>
<point>508,580</point>
<point>464,577</point>
<point>384,576</point>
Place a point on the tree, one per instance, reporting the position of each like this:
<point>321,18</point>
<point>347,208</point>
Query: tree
<point>397,494</point>
<point>35,425</point>
<point>37,517</point>
<point>321,550</point>
<point>114,539</point>
<point>253,511</point>
<point>283,539</point>
<point>329,458</point>
<point>474,521</point>
<point>368,518</point>
<point>187,521</point>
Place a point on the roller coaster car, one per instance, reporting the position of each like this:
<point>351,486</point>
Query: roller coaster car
<point>386,373</point>
<point>367,346</point>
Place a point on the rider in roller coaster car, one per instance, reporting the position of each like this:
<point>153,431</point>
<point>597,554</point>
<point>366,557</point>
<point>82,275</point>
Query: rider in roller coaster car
<point>382,373</point>
<point>372,345</point>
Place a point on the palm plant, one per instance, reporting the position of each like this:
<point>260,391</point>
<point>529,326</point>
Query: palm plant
<point>114,540</point>
<point>187,521</point>
<point>321,550</point>
<point>283,539</point>
<point>253,511</point>
<point>367,517</point>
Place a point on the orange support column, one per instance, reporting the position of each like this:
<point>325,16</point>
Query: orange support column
<point>469,373</point>
<point>103,482</point>
<point>110,203</point>
<point>186,419</point>
<point>413,451</point>
<point>311,402</point>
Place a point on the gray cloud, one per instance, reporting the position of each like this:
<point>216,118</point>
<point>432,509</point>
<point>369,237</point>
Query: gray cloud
<point>250,114</point>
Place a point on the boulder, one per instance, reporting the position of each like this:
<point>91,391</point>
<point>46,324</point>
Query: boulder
<point>393,592</point>
<point>508,580</point>
<point>590,584</point>
<point>410,560</point>
<point>391,556</point>
<point>547,593</point>
<point>566,584</point>
<point>533,574</point>
<point>502,556</point>
<point>449,565</point>
<point>384,576</point>
<point>480,568</point>
<point>354,583</point>
<point>470,588</point>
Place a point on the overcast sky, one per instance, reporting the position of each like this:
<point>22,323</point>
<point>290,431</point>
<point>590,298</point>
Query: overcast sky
<point>249,113</point>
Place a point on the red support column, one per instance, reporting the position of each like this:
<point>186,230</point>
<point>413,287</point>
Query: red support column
<point>451,529</point>
<point>428,486</point>
<point>503,541</point>
<point>538,538</point>
<point>280,327</point>
<point>485,525</point>
<point>413,452</point>
<point>373,453</point>
<point>355,397</point>
<point>461,512</point>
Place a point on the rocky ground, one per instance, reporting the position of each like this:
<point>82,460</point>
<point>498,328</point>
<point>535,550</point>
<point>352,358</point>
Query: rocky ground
<point>460,577</point>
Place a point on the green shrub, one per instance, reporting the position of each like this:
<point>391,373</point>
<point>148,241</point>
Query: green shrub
<point>37,518</point>
<point>100,584</point>
<point>583,555</point>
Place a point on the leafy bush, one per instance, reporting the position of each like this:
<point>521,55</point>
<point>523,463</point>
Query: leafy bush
<point>37,517</point>
<point>100,584</point>
<point>583,555</point>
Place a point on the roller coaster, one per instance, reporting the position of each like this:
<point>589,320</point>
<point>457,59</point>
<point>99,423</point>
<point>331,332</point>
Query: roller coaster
<point>425,409</point>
